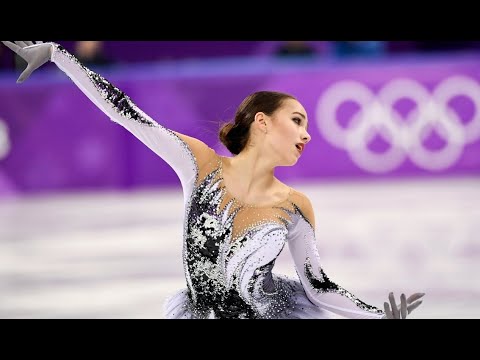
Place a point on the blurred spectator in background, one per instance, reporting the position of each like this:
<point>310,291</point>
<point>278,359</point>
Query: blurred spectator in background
<point>440,46</point>
<point>3,59</point>
<point>346,49</point>
<point>91,53</point>
<point>399,47</point>
<point>2,56</point>
<point>295,49</point>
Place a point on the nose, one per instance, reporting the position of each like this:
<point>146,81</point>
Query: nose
<point>306,137</point>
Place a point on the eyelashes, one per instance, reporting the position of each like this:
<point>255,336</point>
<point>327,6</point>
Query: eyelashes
<point>298,121</point>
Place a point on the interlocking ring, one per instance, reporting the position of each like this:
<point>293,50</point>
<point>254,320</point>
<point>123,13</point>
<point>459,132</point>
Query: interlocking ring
<point>4,140</point>
<point>405,135</point>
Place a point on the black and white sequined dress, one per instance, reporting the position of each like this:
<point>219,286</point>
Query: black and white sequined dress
<point>229,248</point>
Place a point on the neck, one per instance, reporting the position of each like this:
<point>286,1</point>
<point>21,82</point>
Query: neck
<point>254,171</point>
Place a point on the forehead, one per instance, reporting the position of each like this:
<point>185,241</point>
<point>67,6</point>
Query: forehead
<point>291,106</point>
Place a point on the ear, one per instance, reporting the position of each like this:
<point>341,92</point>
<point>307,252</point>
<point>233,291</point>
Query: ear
<point>261,121</point>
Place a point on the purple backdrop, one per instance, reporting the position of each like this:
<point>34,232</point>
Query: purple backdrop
<point>416,117</point>
<point>133,51</point>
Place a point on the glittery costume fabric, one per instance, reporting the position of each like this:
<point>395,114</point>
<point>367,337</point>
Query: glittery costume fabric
<point>229,248</point>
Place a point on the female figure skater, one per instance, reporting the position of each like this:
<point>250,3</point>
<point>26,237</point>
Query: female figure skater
<point>238,216</point>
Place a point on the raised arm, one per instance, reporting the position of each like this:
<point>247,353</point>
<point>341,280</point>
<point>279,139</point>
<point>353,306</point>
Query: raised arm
<point>183,153</point>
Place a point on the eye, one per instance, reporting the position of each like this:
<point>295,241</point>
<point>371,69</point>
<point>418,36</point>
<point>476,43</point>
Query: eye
<point>297,120</point>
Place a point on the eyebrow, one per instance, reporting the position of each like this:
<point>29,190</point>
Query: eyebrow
<point>303,116</point>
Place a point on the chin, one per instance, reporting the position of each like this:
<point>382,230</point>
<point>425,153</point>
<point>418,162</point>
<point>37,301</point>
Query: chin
<point>290,162</point>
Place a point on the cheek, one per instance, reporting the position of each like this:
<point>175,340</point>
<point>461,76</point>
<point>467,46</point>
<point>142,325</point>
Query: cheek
<point>286,130</point>
<point>280,139</point>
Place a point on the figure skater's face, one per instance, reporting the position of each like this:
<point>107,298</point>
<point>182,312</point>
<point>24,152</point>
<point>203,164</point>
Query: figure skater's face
<point>287,132</point>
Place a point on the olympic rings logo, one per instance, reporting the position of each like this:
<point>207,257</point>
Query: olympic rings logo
<point>405,134</point>
<point>4,140</point>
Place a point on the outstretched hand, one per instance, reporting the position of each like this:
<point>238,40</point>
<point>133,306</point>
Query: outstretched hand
<point>406,306</point>
<point>35,54</point>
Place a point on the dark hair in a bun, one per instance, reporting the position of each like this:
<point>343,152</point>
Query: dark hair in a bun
<point>236,135</point>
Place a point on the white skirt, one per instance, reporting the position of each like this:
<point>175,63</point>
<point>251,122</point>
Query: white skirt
<point>178,306</point>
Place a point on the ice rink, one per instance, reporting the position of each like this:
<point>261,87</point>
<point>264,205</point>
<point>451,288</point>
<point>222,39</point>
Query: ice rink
<point>118,255</point>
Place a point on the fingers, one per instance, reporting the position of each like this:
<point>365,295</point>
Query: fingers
<point>403,306</point>
<point>412,307</point>
<point>414,297</point>
<point>404,309</point>
<point>388,313</point>
<point>12,46</point>
<point>396,313</point>
<point>29,43</point>
<point>22,44</point>
<point>38,42</point>
<point>24,75</point>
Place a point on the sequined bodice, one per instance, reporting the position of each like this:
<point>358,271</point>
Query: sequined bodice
<point>230,249</point>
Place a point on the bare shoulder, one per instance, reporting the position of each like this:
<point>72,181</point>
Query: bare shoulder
<point>194,143</point>
<point>202,152</point>
<point>305,205</point>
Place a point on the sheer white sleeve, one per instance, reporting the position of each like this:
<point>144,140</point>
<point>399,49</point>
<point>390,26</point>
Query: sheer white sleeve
<point>319,288</point>
<point>120,109</point>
